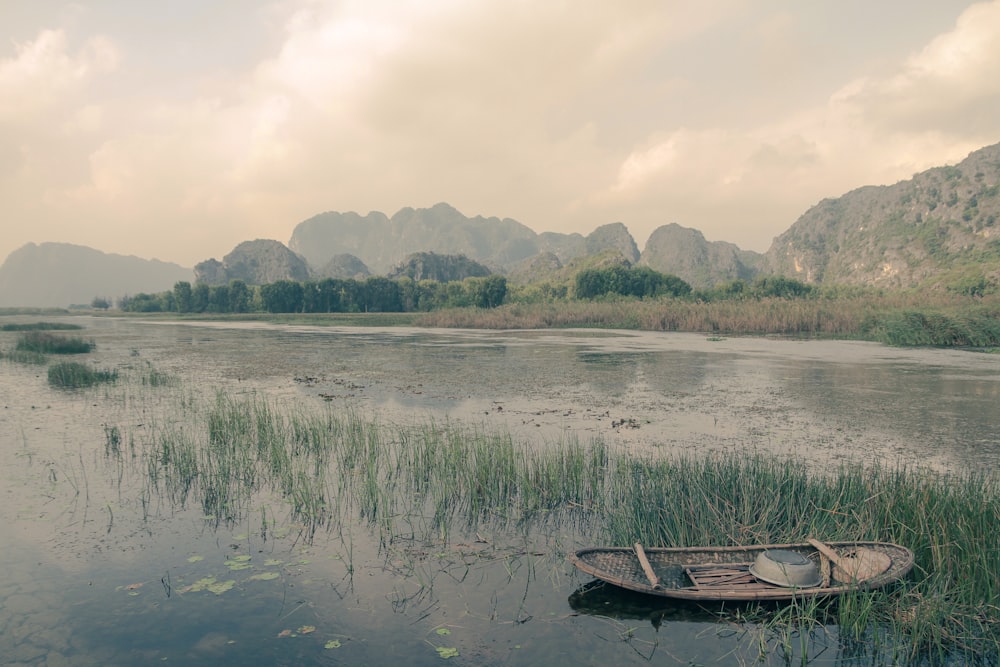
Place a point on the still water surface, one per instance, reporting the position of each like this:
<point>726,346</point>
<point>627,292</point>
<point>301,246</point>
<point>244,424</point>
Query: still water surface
<point>92,576</point>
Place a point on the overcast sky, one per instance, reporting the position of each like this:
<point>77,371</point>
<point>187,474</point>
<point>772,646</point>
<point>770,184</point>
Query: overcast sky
<point>178,129</point>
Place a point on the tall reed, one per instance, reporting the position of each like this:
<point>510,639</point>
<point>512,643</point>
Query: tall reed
<point>424,482</point>
<point>895,319</point>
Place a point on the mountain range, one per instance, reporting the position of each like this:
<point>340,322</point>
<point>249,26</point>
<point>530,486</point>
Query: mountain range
<point>940,228</point>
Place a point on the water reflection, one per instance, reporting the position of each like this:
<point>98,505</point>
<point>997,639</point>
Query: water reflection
<point>78,532</point>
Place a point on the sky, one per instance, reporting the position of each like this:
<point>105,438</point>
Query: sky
<point>176,130</point>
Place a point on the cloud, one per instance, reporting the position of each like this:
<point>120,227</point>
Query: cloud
<point>736,183</point>
<point>564,117</point>
<point>43,73</point>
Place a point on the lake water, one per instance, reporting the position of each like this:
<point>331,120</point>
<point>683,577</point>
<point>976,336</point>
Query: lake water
<point>96,574</point>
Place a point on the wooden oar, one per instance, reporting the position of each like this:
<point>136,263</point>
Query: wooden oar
<point>654,581</point>
<point>861,565</point>
<point>834,558</point>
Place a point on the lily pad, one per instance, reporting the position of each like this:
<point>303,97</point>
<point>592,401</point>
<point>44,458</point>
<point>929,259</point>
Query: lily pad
<point>447,652</point>
<point>333,643</point>
<point>241,559</point>
<point>209,584</point>
<point>221,587</point>
<point>237,565</point>
<point>195,559</point>
<point>264,576</point>
<point>443,631</point>
<point>306,629</point>
<point>271,562</point>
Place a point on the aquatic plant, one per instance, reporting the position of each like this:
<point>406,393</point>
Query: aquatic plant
<point>40,326</point>
<point>48,343</point>
<point>70,375</point>
<point>25,357</point>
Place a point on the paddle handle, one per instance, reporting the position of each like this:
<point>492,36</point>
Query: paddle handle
<point>654,581</point>
<point>834,558</point>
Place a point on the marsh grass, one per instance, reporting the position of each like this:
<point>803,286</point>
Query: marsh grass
<point>72,375</point>
<point>41,326</point>
<point>152,377</point>
<point>429,481</point>
<point>26,357</point>
<point>894,319</point>
<point>48,343</point>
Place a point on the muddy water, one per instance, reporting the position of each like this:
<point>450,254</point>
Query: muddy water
<point>94,576</point>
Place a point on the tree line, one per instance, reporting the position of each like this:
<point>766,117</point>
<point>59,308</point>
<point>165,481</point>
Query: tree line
<point>329,295</point>
<point>388,295</point>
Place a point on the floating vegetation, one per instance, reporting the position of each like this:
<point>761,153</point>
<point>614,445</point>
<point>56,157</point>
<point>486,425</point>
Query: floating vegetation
<point>72,375</point>
<point>210,584</point>
<point>238,563</point>
<point>446,651</point>
<point>264,576</point>
<point>48,343</point>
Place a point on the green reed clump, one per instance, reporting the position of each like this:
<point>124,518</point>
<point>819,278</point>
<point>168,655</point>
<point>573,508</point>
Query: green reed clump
<point>25,357</point>
<point>975,328</point>
<point>155,378</point>
<point>41,326</point>
<point>71,375</point>
<point>48,343</point>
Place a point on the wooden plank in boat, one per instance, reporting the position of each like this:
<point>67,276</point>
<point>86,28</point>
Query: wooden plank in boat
<point>723,576</point>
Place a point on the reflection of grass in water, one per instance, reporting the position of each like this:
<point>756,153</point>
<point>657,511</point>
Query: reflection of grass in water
<point>424,482</point>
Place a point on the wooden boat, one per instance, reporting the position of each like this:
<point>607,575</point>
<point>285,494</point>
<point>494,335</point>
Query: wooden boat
<point>724,573</point>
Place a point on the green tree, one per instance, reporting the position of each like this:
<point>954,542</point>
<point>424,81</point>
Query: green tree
<point>283,296</point>
<point>779,286</point>
<point>218,299</point>
<point>240,297</point>
<point>488,292</point>
<point>201,297</point>
<point>590,284</point>
<point>382,295</point>
<point>183,296</point>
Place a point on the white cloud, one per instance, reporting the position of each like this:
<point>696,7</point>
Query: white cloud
<point>938,106</point>
<point>43,72</point>
<point>560,115</point>
<point>952,86</point>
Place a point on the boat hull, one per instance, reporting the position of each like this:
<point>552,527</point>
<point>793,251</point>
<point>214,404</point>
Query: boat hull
<point>722,573</point>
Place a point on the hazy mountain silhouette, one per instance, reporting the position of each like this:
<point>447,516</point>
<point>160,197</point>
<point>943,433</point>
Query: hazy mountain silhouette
<point>62,274</point>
